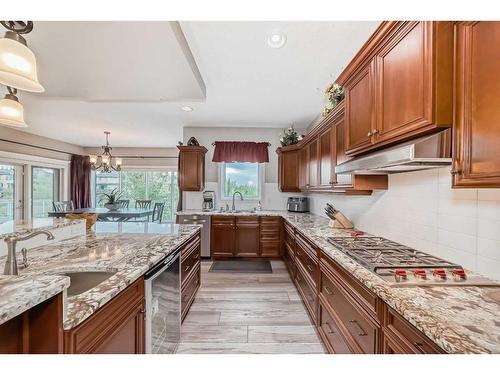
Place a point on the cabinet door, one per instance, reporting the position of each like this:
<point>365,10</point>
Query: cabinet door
<point>288,171</point>
<point>313,163</point>
<point>222,236</point>
<point>359,110</point>
<point>304,168</point>
<point>477,105</point>
<point>192,170</point>
<point>247,237</point>
<point>327,158</point>
<point>404,83</point>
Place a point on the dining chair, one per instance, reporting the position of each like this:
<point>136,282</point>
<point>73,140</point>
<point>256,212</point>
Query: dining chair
<point>124,203</point>
<point>143,203</point>
<point>62,206</point>
<point>157,212</point>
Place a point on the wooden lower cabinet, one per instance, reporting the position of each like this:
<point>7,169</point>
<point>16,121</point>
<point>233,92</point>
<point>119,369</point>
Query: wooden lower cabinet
<point>189,289</point>
<point>116,328</point>
<point>190,273</point>
<point>247,235</point>
<point>270,236</point>
<point>348,316</point>
<point>222,236</point>
<point>400,337</point>
<point>38,330</point>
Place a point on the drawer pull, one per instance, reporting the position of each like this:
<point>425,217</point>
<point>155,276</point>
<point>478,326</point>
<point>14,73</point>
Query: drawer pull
<point>331,331</point>
<point>327,290</point>
<point>188,267</point>
<point>418,344</point>
<point>310,268</point>
<point>360,330</point>
<point>195,256</point>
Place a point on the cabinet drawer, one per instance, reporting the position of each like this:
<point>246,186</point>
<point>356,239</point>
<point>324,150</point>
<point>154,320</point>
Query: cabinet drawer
<point>270,248</point>
<point>359,292</point>
<point>190,245</point>
<point>307,292</point>
<point>247,220</point>
<point>270,220</point>
<point>189,262</point>
<point>413,341</point>
<point>332,336</point>
<point>308,263</point>
<point>266,235</point>
<point>227,220</point>
<point>350,315</point>
<point>189,291</point>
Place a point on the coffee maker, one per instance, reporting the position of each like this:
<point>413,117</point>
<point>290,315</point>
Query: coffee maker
<point>208,200</point>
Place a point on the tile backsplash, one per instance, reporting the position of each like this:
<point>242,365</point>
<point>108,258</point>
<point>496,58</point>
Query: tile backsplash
<point>422,211</point>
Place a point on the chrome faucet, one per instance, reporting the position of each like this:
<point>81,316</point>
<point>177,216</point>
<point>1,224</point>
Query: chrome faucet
<point>11,241</point>
<point>233,208</point>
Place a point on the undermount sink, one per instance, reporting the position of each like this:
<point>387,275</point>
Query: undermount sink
<point>85,280</point>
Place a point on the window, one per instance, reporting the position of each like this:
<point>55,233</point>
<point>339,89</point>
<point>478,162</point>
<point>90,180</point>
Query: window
<point>7,192</point>
<point>243,177</point>
<point>157,185</point>
<point>44,190</point>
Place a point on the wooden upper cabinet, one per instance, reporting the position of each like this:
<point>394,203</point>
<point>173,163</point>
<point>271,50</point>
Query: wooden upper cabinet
<point>359,110</point>
<point>288,169</point>
<point>476,125</point>
<point>304,168</point>
<point>399,85</point>
<point>327,159</point>
<point>313,164</point>
<point>192,168</point>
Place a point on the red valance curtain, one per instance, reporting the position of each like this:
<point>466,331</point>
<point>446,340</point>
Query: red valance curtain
<point>250,152</point>
<point>80,181</point>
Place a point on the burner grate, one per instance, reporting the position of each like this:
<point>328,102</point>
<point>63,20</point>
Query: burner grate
<point>376,252</point>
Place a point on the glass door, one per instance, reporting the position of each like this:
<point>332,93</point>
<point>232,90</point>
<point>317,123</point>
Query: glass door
<point>44,190</point>
<point>7,192</point>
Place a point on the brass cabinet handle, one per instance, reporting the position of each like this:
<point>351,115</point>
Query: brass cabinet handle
<point>369,134</point>
<point>310,268</point>
<point>188,267</point>
<point>327,290</point>
<point>195,256</point>
<point>330,328</point>
<point>374,131</point>
<point>455,172</point>
<point>418,344</point>
<point>361,332</point>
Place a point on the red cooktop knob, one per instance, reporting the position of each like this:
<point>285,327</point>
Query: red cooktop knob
<point>459,274</point>
<point>439,273</point>
<point>400,275</point>
<point>420,273</point>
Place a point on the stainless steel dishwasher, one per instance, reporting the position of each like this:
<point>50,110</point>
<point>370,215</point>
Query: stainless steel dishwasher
<point>204,221</point>
<point>163,306</point>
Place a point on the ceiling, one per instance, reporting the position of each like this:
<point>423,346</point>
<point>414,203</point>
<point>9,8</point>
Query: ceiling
<point>131,78</point>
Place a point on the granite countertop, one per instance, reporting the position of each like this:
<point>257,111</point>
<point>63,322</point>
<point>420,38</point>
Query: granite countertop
<point>458,319</point>
<point>21,293</point>
<point>22,227</point>
<point>130,251</point>
<point>237,213</point>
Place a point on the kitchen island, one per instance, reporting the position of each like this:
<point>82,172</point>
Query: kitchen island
<point>125,254</point>
<point>452,319</point>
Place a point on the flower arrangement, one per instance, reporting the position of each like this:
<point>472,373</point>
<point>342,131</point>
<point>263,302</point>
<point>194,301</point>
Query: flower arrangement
<point>111,200</point>
<point>334,94</point>
<point>290,137</point>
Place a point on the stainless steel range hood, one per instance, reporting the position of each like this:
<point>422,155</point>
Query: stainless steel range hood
<point>432,151</point>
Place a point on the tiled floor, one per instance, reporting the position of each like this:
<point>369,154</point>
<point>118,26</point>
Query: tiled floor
<point>248,313</point>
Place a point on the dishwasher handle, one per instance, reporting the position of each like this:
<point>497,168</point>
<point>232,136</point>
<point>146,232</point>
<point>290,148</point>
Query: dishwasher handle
<point>162,265</point>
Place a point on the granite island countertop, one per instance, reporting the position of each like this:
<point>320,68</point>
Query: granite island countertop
<point>457,319</point>
<point>22,227</point>
<point>130,252</point>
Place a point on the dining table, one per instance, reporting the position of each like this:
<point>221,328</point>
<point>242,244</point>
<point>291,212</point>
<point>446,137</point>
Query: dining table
<point>103,214</point>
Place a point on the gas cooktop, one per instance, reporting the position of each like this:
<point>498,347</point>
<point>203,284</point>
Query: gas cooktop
<point>403,266</point>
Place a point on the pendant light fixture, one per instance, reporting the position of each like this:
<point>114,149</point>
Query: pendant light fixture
<point>17,61</point>
<point>11,111</point>
<point>105,161</point>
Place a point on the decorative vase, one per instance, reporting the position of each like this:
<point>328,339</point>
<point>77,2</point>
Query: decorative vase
<point>112,206</point>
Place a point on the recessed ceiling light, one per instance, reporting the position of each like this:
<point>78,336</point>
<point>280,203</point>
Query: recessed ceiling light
<point>187,108</point>
<point>276,40</point>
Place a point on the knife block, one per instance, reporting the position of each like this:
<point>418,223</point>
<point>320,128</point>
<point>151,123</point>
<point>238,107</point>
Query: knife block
<point>341,222</point>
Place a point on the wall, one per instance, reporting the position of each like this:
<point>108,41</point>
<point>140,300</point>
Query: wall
<point>142,157</point>
<point>422,211</point>
<point>36,140</point>
<point>271,196</point>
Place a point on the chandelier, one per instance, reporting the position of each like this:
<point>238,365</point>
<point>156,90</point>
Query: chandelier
<point>105,161</point>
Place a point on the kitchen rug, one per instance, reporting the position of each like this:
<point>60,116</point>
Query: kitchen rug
<point>241,266</point>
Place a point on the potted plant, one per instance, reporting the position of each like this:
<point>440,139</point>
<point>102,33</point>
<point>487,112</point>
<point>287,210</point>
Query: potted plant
<point>334,94</point>
<point>112,199</point>
<point>290,137</point>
